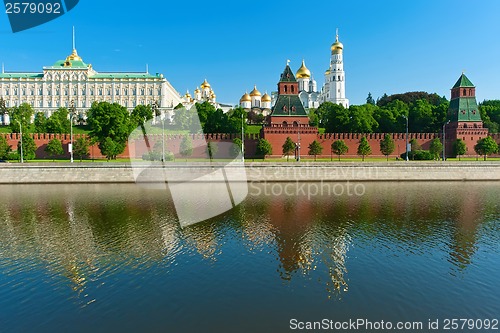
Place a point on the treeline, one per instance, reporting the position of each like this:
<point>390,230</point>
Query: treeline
<point>426,114</point>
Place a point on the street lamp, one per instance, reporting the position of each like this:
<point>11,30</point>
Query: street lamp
<point>406,117</point>
<point>154,107</point>
<point>242,139</point>
<point>71,115</point>
<point>298,142</point>
<point>21,133</point>
<point>444,140</point>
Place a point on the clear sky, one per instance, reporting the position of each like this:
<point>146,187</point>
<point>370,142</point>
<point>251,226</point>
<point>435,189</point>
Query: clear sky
<point>389,46</point>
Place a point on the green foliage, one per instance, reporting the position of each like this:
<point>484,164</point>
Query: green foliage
<point>418,155</point>
<point>141,114</point>
<point>111,125</point>
<point>315,149</point>
<point>369,99</point>
<point>81,147</point>
<point>288,147</point>
<point>387,145</point>
<point>490,113</point>
<point>22,114</point>
<point>313,118</point>
<point>59,122</point>
<point>436,148</point>
<point>186,147</point>
<point>29,147</point>
<point>459,148</point>
<point>54,148</point>
<point>364,148</point>
<point>5,148</point>
<point>411,97</point>
<point>339,148</point>
<point>40,123</point>
<point>486,146</point>
<point>212,149</point>
<point>414,145</point>
<point>236,147</point>
<point>156,154</point>
<point>355,119</point>
<point>264,148</point>
<point>184,119</point>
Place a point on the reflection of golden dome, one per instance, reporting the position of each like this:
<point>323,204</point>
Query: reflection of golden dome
<point>266,98</point>
<point>303,72</point>
<point>205,84</point>
<point>255,92</point>
<point>246,98</point>
<point>337,47</point>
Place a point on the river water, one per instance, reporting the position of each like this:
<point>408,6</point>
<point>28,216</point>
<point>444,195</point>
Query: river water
<point>113,258</point>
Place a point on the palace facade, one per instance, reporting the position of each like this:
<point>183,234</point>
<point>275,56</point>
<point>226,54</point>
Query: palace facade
<point>73,82</point>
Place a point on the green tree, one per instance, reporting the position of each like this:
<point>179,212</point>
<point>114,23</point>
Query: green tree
<point>288,148</point>
<point>54,148</point>
<point>22,114</point>
<point>236,147</point>
<point>313,118</point>
<point>141,114</point>
<point>387,146</point>
<point>5,148</point>
<point>29,147</point>
<point>436,148</point>
<point>336,117</point>
<point>415,145</point>
<point>81,147</point>
<point>264,148</point>
<point>486,146</point>
<point>59,122</point>
<point>40,123</point>
<point>364,148</point>
<point>110,125</point>
<point>186,147</point>
<point>339,148</point>
<point>315,149</point>
<point>369,99</point>
<point>459,148</point>
<point>212,149</point>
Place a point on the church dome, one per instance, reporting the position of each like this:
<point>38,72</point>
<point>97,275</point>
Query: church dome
<point>266,98</point>
<point>303,72</point>
<point>197,90</point>
<point>246,98</point>
<point>337,47</point>
<point>255,92</point>
<point>205,84</point>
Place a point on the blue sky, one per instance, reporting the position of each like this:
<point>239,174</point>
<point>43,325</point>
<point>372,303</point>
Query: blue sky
<point>389,46</point>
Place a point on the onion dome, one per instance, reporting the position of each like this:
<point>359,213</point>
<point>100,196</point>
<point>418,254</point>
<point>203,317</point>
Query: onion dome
<point>266,98</point>
<point>255,92</point>
<point>246,98</point>
<point>205,84</point>
<point>303,72</point>
<point>197,90</point>
<point>337,47</point>
<point>188,95</point>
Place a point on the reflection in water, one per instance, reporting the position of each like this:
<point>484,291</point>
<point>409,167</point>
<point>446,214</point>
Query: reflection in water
<point>87,236</point>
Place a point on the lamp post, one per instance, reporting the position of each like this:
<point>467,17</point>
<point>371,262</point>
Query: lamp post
<point>21,141</point>
<point>298,143</point>
<point>444,140</point>
<point>242,139</point>
<point>156,112</point>
<point>406,117</point>
<point>71,115</point>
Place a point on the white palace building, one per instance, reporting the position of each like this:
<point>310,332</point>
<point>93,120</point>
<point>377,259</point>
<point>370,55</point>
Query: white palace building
<point>73,81</point>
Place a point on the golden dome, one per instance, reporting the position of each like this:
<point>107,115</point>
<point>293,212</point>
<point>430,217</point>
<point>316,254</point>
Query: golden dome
<point>74,56</point>
<point>246,98</point>
<point>266,98</point>
<point>197,90</point>
<point>255,92</point>
<point>337,47</point>
<point>327,72</point>
<point>205,84</point>
<point>303,72</point>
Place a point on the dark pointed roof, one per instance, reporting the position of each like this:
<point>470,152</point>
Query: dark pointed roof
<point>289,105</point>
<point>463,82</point>
<point>287,75</point>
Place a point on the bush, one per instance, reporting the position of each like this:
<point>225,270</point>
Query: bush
<point>418,155</point>
<point>156,156</point>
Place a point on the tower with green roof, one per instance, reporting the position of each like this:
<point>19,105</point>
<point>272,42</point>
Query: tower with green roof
<point>288,117</point>
<point>464,117</point>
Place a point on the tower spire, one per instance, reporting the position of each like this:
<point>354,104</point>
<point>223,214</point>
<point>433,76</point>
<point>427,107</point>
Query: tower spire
<point>74,44</point>
<point>337,35</point>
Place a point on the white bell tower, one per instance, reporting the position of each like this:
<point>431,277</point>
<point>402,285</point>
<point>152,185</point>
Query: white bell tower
<point>334,89</point>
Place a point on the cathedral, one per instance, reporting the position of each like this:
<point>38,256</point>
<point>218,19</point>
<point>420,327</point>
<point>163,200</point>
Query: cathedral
<point>205,94</point>
<point>333,89</point>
